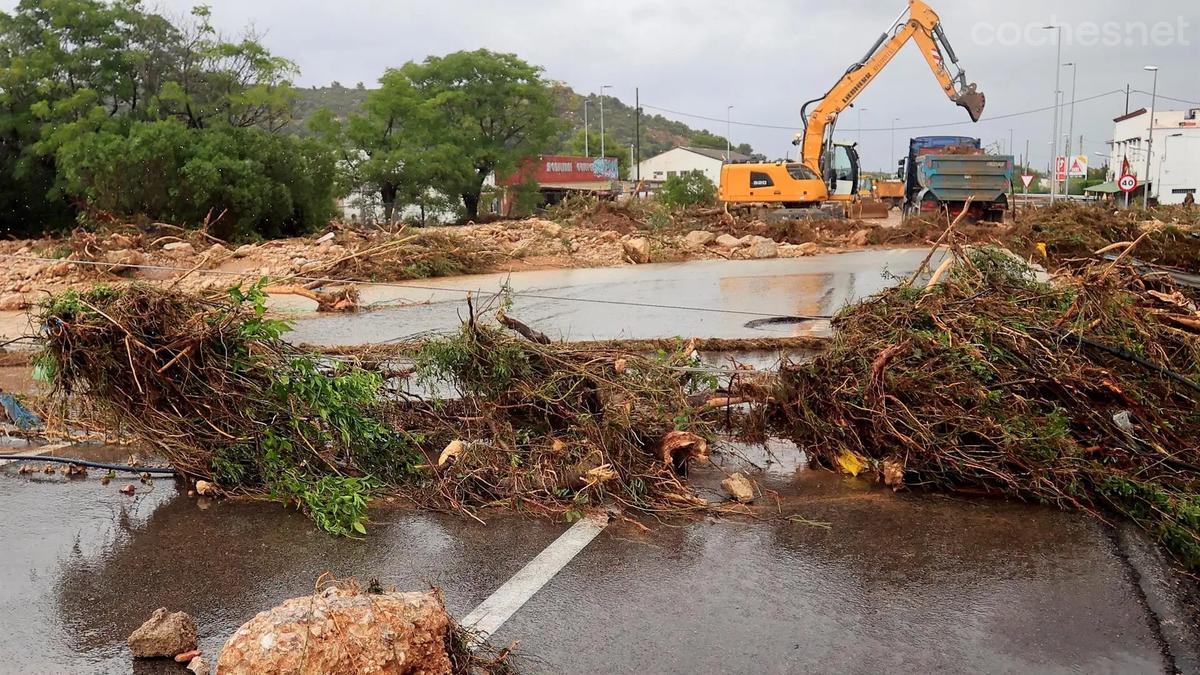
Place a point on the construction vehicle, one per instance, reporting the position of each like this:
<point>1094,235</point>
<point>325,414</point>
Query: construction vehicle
<point>825,180</point>
<point>890,192</point>
<point>948,172</point>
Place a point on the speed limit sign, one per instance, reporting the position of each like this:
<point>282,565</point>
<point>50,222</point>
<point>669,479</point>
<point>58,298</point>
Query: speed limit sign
<point>1127,183</point>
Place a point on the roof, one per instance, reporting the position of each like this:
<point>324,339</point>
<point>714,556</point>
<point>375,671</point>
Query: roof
<point>1104,188</point>
<point>712,153</point>
<point>1129,116</point>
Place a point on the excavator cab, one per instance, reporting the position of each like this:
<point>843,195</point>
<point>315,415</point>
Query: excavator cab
<point>841,169</point>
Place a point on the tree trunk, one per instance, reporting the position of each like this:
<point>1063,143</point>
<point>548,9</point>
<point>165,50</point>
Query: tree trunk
<point>471,202</point>
<point>387,193</point>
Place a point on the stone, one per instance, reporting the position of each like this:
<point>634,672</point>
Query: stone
<point>638,249</point>
<point>164,635</point>
<point>244,250</point>
<point>124,259</point>
<point>739,488</point>
<point>699,238</point>
<point>860,238</point>
<point>728,241</point>
<point>762,249</point>
<point>13,302</point>
<point>799,250</point>
<point>198,666</point>
<point>550,227</point>
<point>179,249</point>
<point>217,249</point>
<point>342,630</point>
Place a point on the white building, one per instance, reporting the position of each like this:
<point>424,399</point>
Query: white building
<point>685,160</point>
<point>1174,154</point>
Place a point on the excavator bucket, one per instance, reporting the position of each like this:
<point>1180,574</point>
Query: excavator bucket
<point>973,100</point>
<point>868,208</point>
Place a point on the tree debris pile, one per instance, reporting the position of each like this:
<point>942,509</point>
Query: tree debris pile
<point>1081,393</point>
<point>216,390</point>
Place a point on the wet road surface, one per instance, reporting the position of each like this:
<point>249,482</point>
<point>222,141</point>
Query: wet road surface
<point>835,576</point>
<point>739,291</point>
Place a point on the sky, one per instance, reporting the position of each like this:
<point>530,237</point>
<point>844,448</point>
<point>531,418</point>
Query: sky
<point>767,57</point>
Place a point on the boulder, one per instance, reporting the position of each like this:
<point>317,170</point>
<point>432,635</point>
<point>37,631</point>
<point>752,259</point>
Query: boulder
<point>860,238</point>
<point>799,250</point>
<point>164,635</point>
<point>342,631</point>
<point>762,249</point>
<point>244,250</point>
<point>179,249</point>
<point>638,249</point>
<point>198,666</point>
<point>739,488</point>
<point>699,238</point>
<point>123,259</point>
<point>728,241</point>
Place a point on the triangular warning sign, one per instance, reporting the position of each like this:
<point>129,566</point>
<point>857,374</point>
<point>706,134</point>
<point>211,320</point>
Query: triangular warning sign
<point>1076,167</point>
<point>1026,179</point>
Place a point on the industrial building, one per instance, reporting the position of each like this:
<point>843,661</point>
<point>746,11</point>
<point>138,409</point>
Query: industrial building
<point>682,160</point>
<point>1174,152</point>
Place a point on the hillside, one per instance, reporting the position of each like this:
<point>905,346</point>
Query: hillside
<point>659,134</point>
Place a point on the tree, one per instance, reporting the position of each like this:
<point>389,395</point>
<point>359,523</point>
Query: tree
<point>81,76</point>
<point>480,113</point>
<point>687,189</point>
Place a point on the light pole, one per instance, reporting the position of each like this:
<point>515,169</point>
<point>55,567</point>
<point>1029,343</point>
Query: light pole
<point>1150,138</point>
<point>1054,128</point>
<point>728,127</point>
<point>1071,127</point>
<point>602,88</point>
<point>587,130</point>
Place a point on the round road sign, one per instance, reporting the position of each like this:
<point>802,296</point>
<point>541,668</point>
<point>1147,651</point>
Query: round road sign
<point>1127,183</point>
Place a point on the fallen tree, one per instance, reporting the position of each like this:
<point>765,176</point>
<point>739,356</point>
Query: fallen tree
<point>1081,393</point>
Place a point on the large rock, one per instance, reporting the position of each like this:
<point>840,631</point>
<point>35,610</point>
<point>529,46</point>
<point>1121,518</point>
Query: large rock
<point>13,302</point>
<point>343,631</point>
<point>638,249</point>
<point>739,488</point>
<point>164,635</point>
<point>762,248</point>
<point>860,238</point>
<point>124,259</point>
<point>699,238</point>
<point>179,249</point>
<point>728,241</point>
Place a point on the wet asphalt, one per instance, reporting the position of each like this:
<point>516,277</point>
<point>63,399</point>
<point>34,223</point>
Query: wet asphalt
<point>828,575</point>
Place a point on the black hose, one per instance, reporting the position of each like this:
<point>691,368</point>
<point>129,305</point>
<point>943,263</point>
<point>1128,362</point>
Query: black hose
<point>91,465</point>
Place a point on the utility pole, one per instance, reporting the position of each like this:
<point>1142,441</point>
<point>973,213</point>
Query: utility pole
<point>1071,128</point>
<point>637,130</point>
<point>587,130</point>
<point>1127,99</point>
<point>728,133</point>
<point>1150,139</point>
<point>602,88</point>
<point>1054,127</point>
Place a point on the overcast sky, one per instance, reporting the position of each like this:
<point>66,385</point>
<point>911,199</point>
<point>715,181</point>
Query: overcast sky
<point>765,57</point>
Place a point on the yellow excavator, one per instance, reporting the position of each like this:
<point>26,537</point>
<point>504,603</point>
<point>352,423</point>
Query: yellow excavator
<point>825,181</point>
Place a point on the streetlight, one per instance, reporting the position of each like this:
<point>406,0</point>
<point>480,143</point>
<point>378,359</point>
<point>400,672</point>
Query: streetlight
<point>1071,128</point>
<point>1054,128</point>
<point>728,150</point>
<point>602,88</point>
<point>1150,137</point>
<point>587,130</point>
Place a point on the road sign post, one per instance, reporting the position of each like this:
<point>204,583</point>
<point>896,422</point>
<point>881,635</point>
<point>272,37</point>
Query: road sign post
<point>1128,183</point>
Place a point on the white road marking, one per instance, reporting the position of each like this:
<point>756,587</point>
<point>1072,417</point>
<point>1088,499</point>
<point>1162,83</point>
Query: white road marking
<point>502,604</point>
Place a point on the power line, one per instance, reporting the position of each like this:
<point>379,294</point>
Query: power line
<point>419,287</point>
<point>1177,100</point>
<point>1022,113</point>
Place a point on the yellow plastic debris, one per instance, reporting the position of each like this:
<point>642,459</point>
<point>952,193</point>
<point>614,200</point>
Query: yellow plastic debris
<point>1041,248</point>
<point>851,463</point>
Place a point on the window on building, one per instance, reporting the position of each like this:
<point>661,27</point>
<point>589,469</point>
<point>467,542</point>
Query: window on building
<point>671,174</point>
<point>759,179</point>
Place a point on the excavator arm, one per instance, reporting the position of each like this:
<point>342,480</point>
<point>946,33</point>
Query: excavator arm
<point>923,27</point>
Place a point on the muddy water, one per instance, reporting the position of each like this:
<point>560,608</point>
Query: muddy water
<point>714,298</point>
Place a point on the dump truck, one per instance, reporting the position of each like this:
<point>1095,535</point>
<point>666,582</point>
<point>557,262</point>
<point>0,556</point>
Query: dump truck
<point>945,172</point>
